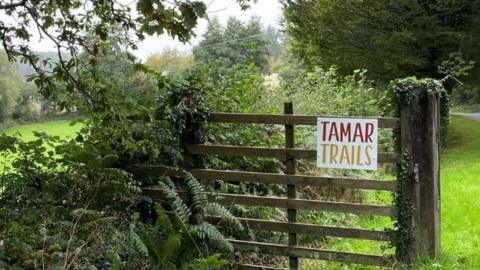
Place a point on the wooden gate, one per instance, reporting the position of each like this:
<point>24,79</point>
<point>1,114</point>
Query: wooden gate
<point>419,137</point>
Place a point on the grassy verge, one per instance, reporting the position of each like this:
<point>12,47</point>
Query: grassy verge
<point>460,198</point>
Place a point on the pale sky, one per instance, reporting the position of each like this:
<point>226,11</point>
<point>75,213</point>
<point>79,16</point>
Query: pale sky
<point>269,12</point>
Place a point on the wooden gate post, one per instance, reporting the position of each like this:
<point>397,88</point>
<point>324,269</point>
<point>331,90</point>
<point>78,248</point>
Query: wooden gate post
<point>420,129</point>
<point>291,189</point>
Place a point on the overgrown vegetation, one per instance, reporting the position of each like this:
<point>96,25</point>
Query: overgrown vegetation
<point>90,207</point>
<point>75,203</point>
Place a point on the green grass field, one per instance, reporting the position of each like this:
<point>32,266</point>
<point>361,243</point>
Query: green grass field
<point>61,128</point>
<point>460,194</point>
<point>460,197</point>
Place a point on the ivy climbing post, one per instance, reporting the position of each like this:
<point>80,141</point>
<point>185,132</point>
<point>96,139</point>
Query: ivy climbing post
<point>418,197</point>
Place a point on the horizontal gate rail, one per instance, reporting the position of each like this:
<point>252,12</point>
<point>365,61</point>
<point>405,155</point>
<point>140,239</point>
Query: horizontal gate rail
<point>280,153</point>
<point>240,266</point>
<point>283,119</point>
<point>299,180</point>
<point>300,204</point>
<point>312,253</point>
<point>310,229</point>
<point>267,178</point>
<point>156,170</point>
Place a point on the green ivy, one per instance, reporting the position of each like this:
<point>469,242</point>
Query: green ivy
<point>405,92</point>
<point>405,89</point>
<point>403,238</point>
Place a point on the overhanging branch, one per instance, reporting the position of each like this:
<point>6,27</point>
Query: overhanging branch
<point>12,5</point>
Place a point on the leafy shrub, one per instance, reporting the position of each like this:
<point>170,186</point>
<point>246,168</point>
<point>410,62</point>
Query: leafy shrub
<point>72,204</point>
<point>239,89</point>
<point>62,204</point>
<point>326,92</point>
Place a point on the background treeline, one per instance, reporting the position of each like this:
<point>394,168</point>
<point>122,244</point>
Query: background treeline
<point>303,47</point>
<point>248,67</point>
<point>20,101</point>
<point>392,39</point>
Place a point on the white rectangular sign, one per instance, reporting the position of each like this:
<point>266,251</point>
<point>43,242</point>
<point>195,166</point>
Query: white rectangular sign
<point>347,143</point>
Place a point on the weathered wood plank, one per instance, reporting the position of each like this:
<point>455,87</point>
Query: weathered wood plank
<point>430,177</point>
<point>231,199</point>
<point>153,193</point>
<point>420,136</point>
<point>280,153</point>
<point>291,189</point>
<point>353,208</point>
<point>255,267</point>
<point>299,180</point>
<point>310,229</point>
<point>311,253</point>
<point>267,178</point>
<point>281,119</point>
<point>155,170</point>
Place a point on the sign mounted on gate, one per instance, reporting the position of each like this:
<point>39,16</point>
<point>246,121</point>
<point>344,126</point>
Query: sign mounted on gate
<point>347,143</point>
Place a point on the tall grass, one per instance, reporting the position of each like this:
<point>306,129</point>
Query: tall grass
<point>460,197</point>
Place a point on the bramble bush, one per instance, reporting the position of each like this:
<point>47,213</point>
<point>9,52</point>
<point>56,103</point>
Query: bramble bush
<point>326,92</point>
<point>74,205</point>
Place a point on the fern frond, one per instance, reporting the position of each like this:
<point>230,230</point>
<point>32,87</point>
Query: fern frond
<point>170,194</point>
<point>196,190</point>
<point>215,209</point>
<point>170,248</point>
<point>206,231</point>
<point>135,242</point>
<point>181,209</point>
<point>168,181</point>
<point>163,221</point>
<point>212,262</point>
<point>115,261</point>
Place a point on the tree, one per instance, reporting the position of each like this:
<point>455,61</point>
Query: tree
<point>236,43</point>
<point>8,95</point>
<point>275,41</point>
<point>390,38</point>
<point>67,23</point>
<point>9,88</point>
<point>170,61</point>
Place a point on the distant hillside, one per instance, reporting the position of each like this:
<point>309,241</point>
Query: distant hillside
<point>27,69</point>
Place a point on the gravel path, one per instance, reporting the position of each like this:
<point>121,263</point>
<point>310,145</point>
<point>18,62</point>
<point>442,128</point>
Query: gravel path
<point>474,116</point>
